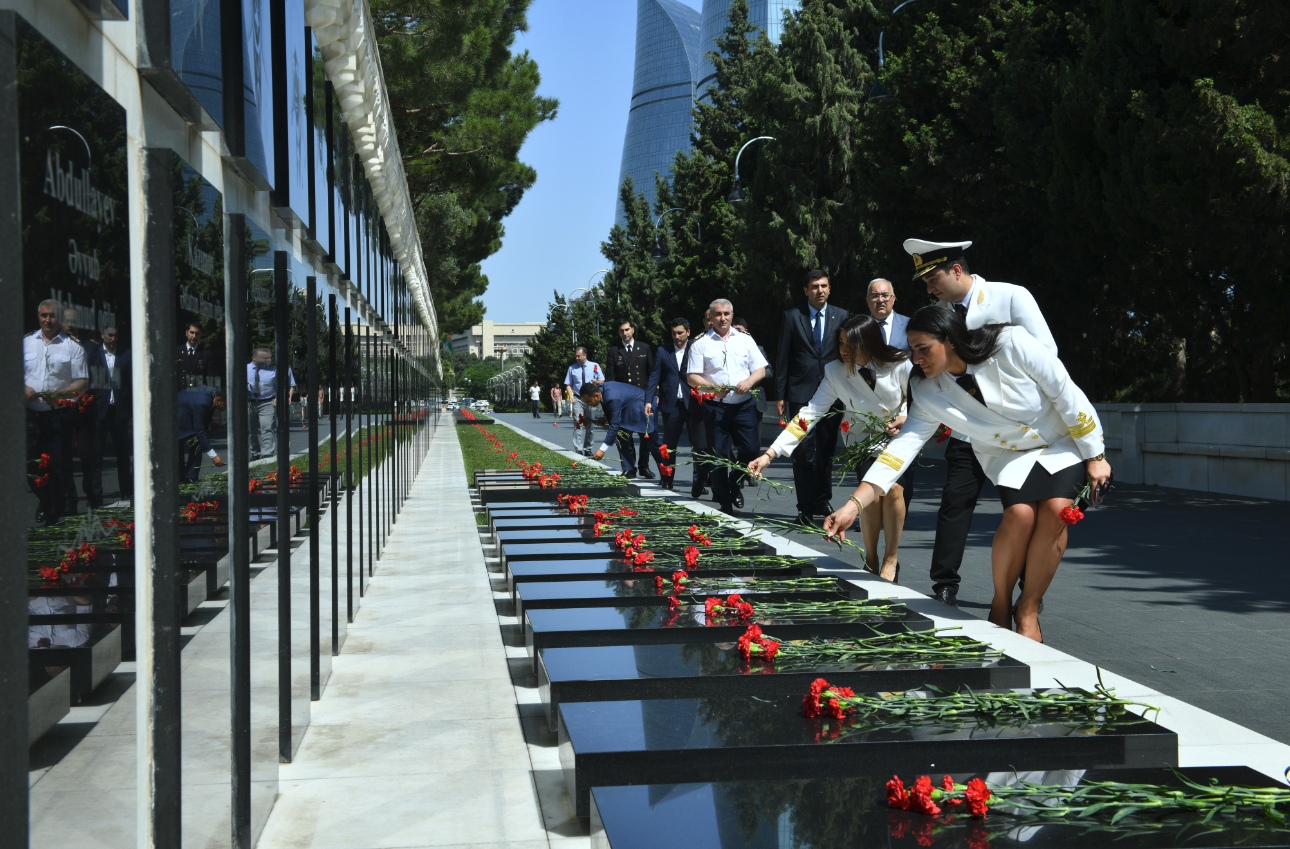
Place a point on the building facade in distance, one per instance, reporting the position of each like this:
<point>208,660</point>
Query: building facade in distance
<point>672,69</point>
<point>493,339</point>
<point>667,68</point>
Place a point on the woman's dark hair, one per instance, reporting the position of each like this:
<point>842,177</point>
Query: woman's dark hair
<point>861,332</point>
<point>972,346</point>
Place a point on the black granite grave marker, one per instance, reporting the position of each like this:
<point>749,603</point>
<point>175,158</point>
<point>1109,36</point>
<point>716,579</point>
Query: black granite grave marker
<point>736,737</point>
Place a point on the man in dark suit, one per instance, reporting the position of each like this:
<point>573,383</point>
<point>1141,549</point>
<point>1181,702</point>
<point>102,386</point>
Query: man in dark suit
<point>673,406</point>
<point>808,338</point>
<point>115,413</point>
<point>626,411</point>
<point>196,409</point>
<point>194,361</point>
<point>632,361</point>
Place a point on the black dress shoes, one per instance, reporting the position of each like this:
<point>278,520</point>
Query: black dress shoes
<point>629,475</point>
<point>739,499</point>
<point>647,474</point>
<point>947,595</point>
<point>697,491</point>
<point>728,509</point>
<point>824,508</point>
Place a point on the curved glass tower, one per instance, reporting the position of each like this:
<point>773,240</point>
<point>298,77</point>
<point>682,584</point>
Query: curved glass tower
<point>767,14</point>
<point>667,67</point>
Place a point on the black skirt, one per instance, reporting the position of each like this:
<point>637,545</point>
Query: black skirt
<point>906,480</point>
<point>1040,485</point>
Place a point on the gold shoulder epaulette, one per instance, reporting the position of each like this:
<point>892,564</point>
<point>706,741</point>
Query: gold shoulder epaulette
<point>889,459</point>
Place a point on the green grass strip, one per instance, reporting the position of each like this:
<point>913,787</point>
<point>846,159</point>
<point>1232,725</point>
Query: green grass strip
<point>479,453</point>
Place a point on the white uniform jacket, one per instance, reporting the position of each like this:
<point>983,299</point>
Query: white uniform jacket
<point>1033,413</point>
<point>1005,303</point>
<point>887,399</point>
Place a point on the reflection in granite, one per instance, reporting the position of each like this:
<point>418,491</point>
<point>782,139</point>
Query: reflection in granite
<point>853,812</point>
<point>718,738</point>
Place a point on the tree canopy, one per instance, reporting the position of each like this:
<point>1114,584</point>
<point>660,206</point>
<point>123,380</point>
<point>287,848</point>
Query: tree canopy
<point>1125,160</point>
<point>463,104</point>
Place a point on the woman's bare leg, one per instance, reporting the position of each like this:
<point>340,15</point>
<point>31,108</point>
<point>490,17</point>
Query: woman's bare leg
<point>893,525</point>
<point>1047,545</point>
<point>870,526</point>
<point>1008,557</point>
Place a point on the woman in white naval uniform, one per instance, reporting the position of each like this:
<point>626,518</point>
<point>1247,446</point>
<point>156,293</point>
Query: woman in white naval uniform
<point>871,378</point>
<point>1033,430</point>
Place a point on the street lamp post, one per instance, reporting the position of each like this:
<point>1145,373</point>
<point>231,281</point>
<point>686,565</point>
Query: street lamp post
<point>739,195</point>
<point>878,92</point>
<point>658,254</point>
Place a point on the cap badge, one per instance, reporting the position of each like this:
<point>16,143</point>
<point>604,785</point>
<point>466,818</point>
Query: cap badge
<point>918,260</point>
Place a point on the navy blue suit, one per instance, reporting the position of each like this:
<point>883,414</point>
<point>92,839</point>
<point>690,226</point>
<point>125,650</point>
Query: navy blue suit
<point>677,413</point>
<point>196,409</point>
<point>624,407</point>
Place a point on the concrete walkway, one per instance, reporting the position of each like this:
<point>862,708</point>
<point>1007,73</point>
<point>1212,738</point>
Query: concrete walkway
<point>417,740</point>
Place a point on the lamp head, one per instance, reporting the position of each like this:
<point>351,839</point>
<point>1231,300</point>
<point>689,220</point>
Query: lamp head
<point>659,255</point>
<point>738,195</point>
<point>878,93</point>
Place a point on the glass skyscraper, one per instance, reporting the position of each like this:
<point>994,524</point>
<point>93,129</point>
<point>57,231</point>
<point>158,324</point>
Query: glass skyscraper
<point>671,71</point>
<point>667,67</point>
<point>767,14</point>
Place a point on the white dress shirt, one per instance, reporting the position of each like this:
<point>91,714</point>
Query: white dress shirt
<point>267,377</point>
<point>727,361</point>
<point>51,365</point>
<point>110,359</point>
<point>680,387</point>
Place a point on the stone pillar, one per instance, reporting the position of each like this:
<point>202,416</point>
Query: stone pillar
<point>1133,433</point>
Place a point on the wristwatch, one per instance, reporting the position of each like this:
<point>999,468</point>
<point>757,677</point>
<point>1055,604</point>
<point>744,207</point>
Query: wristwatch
<point>1101,456</point>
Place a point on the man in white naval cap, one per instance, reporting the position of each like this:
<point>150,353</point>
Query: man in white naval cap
<point>943,268</point>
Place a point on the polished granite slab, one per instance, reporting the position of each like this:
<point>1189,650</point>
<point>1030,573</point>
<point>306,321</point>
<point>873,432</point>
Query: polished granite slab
<point>727,738</point>
<point>610,626</point>
<point>572,549</point>
<point>703,670</point>
<point>852,812</point>
<point>586,533</point>
<point>492,493</point>
<point>646,592</point>
<point>613,568</point>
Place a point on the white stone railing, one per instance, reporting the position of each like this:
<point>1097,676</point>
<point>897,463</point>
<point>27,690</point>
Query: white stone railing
<point>343,30</point>
<point>1236,449</point>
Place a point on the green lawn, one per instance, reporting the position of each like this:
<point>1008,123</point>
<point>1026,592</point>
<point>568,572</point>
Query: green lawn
<point>479,453</point>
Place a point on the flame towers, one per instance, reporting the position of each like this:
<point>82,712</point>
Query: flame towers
<point>671,71</point>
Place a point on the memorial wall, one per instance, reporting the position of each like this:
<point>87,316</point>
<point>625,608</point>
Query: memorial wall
<point>228,368</point>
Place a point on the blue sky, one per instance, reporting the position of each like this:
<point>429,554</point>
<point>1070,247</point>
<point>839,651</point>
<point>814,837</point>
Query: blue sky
<point>585,50</point>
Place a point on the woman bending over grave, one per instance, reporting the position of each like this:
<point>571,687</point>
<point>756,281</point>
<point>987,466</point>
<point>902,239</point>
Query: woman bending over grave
<point>1033,430</point>
<point>870,380</point>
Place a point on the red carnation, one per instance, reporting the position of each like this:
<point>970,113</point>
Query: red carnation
<point>662,450</point>
<point>42,481</point>
<point>846,427</point>
<point>1071,515</point>
<point>642,557</point>
<point>897,795</point>
<point>921,797</point>
<point>43,463</point>
<point>691,556</point>
<point>978,797</point>
<point>801,422</point>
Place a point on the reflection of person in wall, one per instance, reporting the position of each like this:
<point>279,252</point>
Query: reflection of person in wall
<point>261,390</point>
<point>194,360</point>
<point>53,371</point>
<point>115,415</point>
<point>89,442</point>
<point>196,409</point>
<point>68,635</point>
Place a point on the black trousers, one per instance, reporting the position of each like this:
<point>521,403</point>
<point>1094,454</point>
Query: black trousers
<point>627,443</point>
<point>190,461</point>
<point>691,421</point>
<point>964,479</point>
<point>726,424</point>
<point>89,452</point>
<point>54,433</point>
<point>813,461</point>
<point>536,412</point>
<point>116,425</point>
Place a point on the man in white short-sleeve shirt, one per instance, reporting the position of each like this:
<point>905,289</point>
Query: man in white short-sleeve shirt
<point>54,374</point>
<point>726,357</point>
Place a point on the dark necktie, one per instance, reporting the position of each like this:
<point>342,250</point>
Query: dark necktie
<point>961,310</point>
<point>819,332</point>
<point>968,383</point>
<point>867,374</point>
<point>257,383</point>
